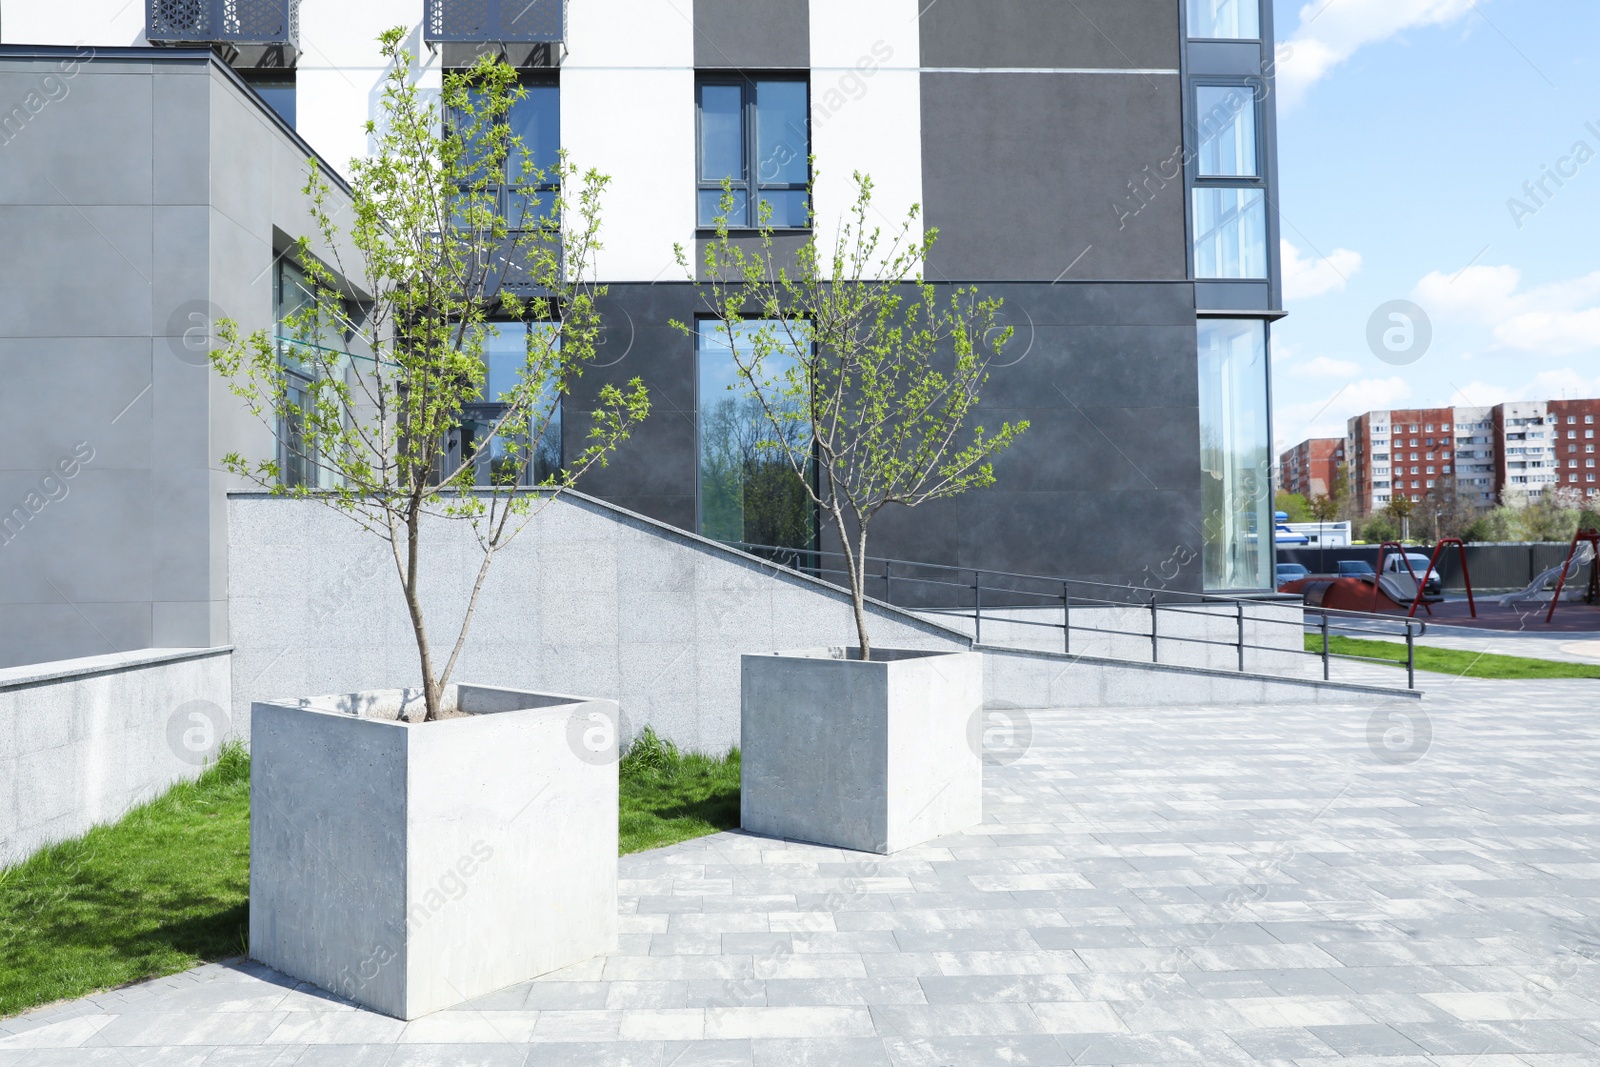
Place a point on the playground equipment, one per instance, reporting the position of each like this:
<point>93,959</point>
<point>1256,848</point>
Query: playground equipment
<point>1391,586</point>
<point>1590,539</point>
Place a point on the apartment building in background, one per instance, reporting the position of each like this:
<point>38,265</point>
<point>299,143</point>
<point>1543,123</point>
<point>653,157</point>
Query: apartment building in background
<point>1512,453</point>
<point>1311,468</point>
<point>1107,167</point>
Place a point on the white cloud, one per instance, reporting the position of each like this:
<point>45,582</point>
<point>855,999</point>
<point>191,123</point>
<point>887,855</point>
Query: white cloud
<point>1561,318</point>
<point>1331,31</point>
<point>1328,416</point>
<point>1324,367</point>
<point>1304,277</point>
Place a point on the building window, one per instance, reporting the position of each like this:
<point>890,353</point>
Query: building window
<point>1230,233</point>
<point>749,491</point>
<point>1225,129</point>
<point>1235,450</point>
<point>526,454</point>
<point>756,134</point>
<point>292,298</point>
<point>275,87</point>
<point>1231,20</point>
<point>525,189</point>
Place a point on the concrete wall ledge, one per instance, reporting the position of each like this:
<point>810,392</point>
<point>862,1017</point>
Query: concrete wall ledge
<point>33,674</point>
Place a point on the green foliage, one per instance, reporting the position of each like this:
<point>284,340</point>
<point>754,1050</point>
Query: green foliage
<point>1324,509</point>
<point>1459,662</point>
<point>669,796</point>
<point>1293,505</point>
<point>858,368</point>
<point>1380,528</point>
<point>161,890</point>
<point>389,343</point>
<point>1496,524</point>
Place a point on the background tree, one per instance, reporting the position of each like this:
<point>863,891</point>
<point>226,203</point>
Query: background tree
<point>389,347</point>
<point>1324,508</point>
<point>1447,510</point>
<point>1551,516</point>
<point>1494,525</point>
<point>1380,528</point>
<point>859,370</point>
<point>1399,511</point>
<point>1293,505</point>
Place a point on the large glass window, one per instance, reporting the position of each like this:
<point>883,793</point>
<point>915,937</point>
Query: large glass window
<point>1225,19</point>
<point>275,86</point>
<point>514,456</point>
<point>1225,127</point>
<point>1235,455</point>
<point>749,490</point>
<point>525,187</point>
<point>756,134</point>
<point>1230,233</point>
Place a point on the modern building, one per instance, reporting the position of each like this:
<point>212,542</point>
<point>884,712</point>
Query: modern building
<point>1311,468</point>
<point>1512,453</point>
<point>1107,167</point>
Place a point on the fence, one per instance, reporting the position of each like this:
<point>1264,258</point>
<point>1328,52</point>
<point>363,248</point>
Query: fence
<point>1100,619</point>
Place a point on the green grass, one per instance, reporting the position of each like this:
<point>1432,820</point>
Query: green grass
<point>670,796</point>
<point>158,892</point>
<point>1455,661</point>
<point>167,887</point>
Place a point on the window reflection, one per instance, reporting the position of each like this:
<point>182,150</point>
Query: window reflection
<point>749,490</point>
<point>1235,455</point>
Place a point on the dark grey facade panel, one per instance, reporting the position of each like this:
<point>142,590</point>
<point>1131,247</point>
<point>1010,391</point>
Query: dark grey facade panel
<point>1119,34</point>
<point>1233,296</point>
<point>1040,177</point>
<point>1226,58</point>
<point>752,36</point>
<point>1107,473</point>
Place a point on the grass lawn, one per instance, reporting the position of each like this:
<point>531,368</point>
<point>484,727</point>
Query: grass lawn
<point>167,887</point>
<point>670,796</point>
<point>1455,661</point>
<point>158,892</point>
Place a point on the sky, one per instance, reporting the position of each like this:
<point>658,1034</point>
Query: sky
<point>1414,136</point>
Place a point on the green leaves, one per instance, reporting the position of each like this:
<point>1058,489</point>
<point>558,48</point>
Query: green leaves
<point>377,380</point>
<point>887,374</point>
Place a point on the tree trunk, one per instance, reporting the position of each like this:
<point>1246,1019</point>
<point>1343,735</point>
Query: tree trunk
<point>431,690</point>
<point>858,592</point>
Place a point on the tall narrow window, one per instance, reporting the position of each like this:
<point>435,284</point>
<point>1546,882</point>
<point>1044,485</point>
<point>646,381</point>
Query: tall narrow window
<point>754,133</point>
<point>527,453</point>
<point>1235,455</point>
<point>1229,203</point>
<point>749,489</point>
<point>524,188</point>
<point>1225,19</point>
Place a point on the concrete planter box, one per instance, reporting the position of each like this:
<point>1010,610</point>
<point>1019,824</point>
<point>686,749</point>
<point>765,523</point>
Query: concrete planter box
<point>411,867</point>
<point>874,756</point>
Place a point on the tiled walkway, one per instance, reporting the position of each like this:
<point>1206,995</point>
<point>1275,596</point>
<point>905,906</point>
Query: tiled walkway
<point>1232,885</point>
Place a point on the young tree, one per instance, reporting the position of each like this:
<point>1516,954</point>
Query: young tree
<point>1324,508</point>
<point>1399,513</point>
<point>391,414</point>
<point>864,378</point>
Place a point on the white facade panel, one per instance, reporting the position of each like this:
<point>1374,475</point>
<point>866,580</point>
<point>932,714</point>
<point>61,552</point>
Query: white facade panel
<point>866,109</point>
<point>340,73</point>
<point>108,23</point>
<point>627,110</point>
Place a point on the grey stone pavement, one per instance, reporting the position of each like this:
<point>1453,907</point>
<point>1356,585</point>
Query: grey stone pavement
<point>1401,885</point>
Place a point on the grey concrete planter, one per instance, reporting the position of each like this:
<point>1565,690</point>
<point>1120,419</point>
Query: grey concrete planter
<point>411,867</point>
<point>874,756</point>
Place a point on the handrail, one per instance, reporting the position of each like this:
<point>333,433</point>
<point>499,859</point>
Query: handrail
<point>1133,599</point>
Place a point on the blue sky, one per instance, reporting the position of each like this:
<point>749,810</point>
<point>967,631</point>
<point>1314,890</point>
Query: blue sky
<point>1405,127</point>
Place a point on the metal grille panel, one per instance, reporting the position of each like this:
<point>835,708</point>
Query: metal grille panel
<point>240,21</point>
<point>470,21</point>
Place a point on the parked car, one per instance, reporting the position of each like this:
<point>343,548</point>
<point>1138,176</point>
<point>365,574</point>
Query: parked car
<point>1432,589</point>
<point>1356,568</point>
<point>1291,572</point>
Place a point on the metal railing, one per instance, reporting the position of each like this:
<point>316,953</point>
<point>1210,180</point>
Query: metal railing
<point>265,22</point>
<point>1064,605</point>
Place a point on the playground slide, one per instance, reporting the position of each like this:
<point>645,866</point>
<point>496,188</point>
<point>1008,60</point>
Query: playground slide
<point>1400,588</point>
<point>1536,588</point>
